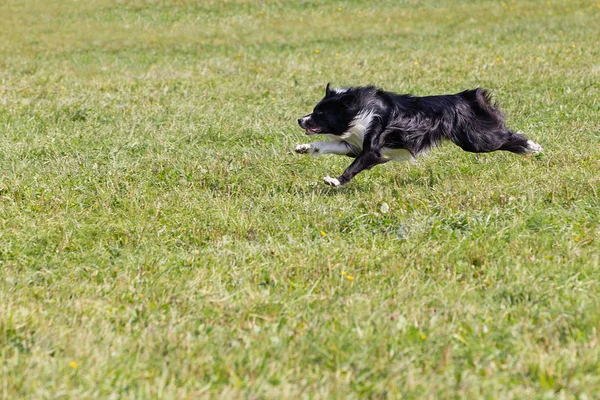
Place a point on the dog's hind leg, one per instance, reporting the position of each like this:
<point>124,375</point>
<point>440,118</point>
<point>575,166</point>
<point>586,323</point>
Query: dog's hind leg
<point>518,143</point>
<point>365,160</point>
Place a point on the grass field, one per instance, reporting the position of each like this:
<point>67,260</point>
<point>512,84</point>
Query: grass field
<point>159,238</point>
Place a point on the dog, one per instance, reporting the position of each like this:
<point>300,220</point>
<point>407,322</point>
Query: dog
<point>374,126</point>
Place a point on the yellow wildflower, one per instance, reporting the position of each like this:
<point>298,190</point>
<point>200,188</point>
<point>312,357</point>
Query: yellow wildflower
<point>73,364</point>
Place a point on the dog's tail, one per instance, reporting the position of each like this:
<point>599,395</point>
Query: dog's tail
<point>487,106</point>
<point>514,142</point>
<point>480,127</point>
<point>519,144</point>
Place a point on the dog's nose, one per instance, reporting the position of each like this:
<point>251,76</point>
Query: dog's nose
<point>299,121</point>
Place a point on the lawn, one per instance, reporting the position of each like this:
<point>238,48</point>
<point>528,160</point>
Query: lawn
<point>160,239</point>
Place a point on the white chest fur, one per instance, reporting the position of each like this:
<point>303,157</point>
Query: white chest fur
<point>355,135</point>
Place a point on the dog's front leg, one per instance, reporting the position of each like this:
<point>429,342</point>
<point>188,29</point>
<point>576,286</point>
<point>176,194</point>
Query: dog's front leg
<point>365,160</point>
<point>318,148</point>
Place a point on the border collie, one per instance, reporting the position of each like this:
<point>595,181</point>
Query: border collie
<point>374,126</point>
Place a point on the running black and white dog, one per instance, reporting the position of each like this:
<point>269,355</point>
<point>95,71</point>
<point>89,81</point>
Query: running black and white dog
<point>375,126</point>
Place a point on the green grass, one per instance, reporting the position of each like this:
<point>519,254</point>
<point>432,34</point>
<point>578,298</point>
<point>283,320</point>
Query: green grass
<point>160,239</point>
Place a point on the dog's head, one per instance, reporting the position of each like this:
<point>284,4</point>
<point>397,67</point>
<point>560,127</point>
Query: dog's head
<point>333,114</point>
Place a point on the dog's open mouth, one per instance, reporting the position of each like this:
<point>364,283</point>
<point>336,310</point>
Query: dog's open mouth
<point>313,131</point>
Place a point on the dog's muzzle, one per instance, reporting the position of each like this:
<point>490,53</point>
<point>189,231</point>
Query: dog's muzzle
<point>306,123</point>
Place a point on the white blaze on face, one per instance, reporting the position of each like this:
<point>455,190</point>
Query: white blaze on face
<point>304,119</point>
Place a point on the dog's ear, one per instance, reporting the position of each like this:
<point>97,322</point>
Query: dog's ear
<point>348,99</point>
<point>328,92</point>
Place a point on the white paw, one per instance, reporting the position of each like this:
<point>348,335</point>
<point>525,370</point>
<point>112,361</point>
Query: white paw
<point>303,148</point>
<point>331,181</point>
<point>534,147</point>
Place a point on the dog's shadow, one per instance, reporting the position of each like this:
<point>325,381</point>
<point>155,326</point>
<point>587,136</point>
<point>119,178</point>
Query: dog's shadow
<point>355,188</point>
<point>425,178</point>
<point>321,189</point>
